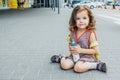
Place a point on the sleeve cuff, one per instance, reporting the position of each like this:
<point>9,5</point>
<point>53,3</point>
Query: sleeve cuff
<point>69,40</point>
<point>93,43</point>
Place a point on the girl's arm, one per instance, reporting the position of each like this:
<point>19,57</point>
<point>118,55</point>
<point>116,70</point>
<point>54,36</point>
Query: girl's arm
<point>93,50</point>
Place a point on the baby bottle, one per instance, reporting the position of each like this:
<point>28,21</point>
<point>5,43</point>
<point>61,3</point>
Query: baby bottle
<point>75,56</point>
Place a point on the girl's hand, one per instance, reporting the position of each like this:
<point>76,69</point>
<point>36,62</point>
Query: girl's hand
<point>75,49</point>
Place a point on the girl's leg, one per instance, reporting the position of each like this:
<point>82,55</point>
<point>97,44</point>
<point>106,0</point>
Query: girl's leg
<point>66,63</point>
<point>81,66</point>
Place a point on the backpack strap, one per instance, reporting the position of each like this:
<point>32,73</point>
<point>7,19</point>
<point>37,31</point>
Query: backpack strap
<point>97,54</point>
<point>90,36</point>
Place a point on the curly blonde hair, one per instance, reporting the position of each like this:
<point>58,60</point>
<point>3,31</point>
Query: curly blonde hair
<point>72,21</point>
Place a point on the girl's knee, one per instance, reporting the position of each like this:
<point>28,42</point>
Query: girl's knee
<point>78,68</point>
<point>66,64</point>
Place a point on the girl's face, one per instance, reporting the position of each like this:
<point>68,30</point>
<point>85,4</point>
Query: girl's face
<point>82,19</point>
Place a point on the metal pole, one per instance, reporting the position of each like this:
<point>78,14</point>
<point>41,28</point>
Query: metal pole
<point>58,7</point>
<point>44,3</point>
<point>40,3</point>
<point>54,4</point>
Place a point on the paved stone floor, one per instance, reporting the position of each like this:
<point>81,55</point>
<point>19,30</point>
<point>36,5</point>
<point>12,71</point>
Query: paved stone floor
<point>29,37</point>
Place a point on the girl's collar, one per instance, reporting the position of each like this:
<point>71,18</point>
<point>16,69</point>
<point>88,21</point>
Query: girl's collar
<point>77,38</point>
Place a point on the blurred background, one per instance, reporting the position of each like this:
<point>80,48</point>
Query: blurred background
<point>15,4</point>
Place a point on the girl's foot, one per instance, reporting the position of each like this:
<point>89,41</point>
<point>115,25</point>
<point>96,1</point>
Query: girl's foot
<point>56,58</point>
<point>102,67</point>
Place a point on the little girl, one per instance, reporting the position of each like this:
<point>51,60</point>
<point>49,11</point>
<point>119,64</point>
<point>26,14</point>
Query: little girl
<point>82,30</point>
